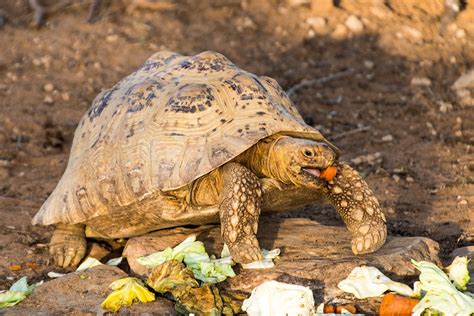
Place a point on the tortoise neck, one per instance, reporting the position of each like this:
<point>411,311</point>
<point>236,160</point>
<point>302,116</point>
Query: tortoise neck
<point>265,163</point>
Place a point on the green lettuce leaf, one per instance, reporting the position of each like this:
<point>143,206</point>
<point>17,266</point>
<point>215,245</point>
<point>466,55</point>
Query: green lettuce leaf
<point>193,253</point>
<point>17,293</point>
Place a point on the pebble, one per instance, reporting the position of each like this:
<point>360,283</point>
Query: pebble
<point>387,138</point>
<point>463,202</point>
<point>65,96</point>
<point>466,80</point>
<point>445,106</point>
<point>396,178</point>
<point>48,87</point>
<point>460,33</point>
<point>420,81</point>
<point>370,159</point>
<point>318,24</point>
<point>414,33</point>
<point>369,64</point>
<point>48,100</point>
<point>410,179</point>
<point>112,38</point>
<point>354,24</point>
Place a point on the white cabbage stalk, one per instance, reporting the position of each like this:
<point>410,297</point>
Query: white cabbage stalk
<point>273,298</point>
<point>367,281</point>
<point>458,272</point>
<point>441,295</point>
<point>267,262</point>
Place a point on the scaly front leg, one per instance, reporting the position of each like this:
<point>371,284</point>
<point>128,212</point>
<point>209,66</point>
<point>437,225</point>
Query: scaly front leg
<point>359,209</point>
<point>239,210</point>
<point>68,245</point>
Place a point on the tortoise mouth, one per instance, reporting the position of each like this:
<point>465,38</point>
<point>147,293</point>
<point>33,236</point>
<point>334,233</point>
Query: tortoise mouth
<point>315,172</point>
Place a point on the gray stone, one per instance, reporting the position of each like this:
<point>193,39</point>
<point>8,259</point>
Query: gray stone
<point>312,254</point>
<point>81,293</point>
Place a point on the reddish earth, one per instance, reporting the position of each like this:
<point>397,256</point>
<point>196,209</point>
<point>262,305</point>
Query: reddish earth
<point>423,175</point>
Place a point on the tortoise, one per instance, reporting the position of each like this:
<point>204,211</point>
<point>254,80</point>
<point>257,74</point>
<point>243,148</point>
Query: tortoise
<point>191,140</point>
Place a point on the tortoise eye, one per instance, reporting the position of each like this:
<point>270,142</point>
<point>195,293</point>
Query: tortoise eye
<point>308,153</point>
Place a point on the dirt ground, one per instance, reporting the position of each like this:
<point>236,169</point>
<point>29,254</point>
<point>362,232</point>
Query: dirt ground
<point>385,98</point>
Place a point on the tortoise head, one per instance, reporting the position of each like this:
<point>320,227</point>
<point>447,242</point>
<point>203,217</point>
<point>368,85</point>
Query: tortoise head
<point>300,161</point>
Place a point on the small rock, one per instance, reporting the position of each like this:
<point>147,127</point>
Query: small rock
<point>420,81</point>
<point>463,202</point>
<point>460,33</point>
<point>48,87</point>
<point>387,138</point>
<point>311,34</point>
<point>65,96</point>
<point>354,24</point>
<point>48,100</point>
<point>112,38</point>
<point>369,64</point>
<point>340,32</point>
<point>410,179</point>
<point>466,80</point>
<point>414,33</point>
<point>318,24</point>
<point>396,178</point>
<point>445,106</point>
<point>370,159</point>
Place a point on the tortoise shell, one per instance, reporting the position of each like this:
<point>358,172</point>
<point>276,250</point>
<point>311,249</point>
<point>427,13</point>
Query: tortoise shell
<point>162,127</point>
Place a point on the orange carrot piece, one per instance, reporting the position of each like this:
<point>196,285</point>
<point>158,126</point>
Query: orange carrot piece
<point>329,173</point>
<point>397,305</point>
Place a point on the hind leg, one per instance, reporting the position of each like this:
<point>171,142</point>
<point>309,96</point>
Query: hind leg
<point>359,209</point>
<point>68,245</point>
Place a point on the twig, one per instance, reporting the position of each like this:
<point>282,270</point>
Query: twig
<point>306,83</point>
<point>94,11</point>
<point>351,132</point>
<point>39,12</point>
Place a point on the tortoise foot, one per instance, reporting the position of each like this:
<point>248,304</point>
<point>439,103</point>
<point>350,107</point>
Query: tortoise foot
<point>370,242</point>
<point>68,245</point>
<point>246,251</point>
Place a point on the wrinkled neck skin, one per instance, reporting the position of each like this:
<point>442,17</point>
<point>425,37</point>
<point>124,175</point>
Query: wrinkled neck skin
<point>266,162</point>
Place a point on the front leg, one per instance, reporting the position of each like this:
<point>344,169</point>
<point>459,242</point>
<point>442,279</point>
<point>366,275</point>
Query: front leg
<point>239,209</point>
<point>68,244</point>
<point>359,209</point>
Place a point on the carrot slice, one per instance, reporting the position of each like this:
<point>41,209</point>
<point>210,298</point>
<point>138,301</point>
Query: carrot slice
<point>329,173</point>
<point>393,305</point>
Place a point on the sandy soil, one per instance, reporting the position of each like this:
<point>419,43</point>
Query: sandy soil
<point>391,99</point>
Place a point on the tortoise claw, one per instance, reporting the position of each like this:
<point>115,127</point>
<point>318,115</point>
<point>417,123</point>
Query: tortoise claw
<point>369,242</point>
<point>246,251</point>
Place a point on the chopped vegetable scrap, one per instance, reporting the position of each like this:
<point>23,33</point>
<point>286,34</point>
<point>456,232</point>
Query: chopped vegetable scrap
<point>174,278</point>
<point>88,263</point>
<point>323,309</point>
<point>367,281</point>
<point>440,294</point>
<point>393,304</point>
<point>17,293</point>
<point>171,276</point>
<point>276,298</point>
<point>267,261</point>
<point>204,267</point>
<point>127,291</point>
<point>329,173</point>
<point>458,272</point>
